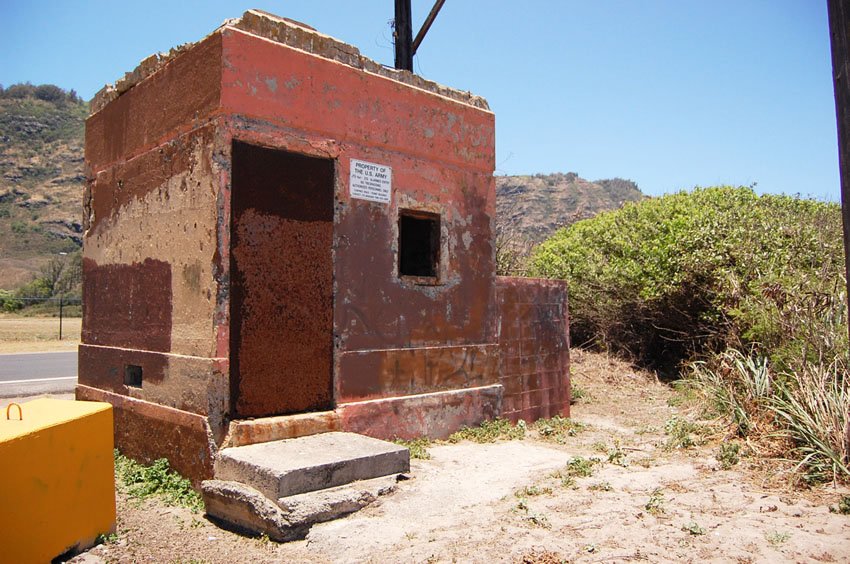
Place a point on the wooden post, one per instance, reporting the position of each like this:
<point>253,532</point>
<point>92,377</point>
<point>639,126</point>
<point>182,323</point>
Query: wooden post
<point>839,34</point>
<point>61,303</point>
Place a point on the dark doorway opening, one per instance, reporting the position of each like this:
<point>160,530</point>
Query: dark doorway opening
<point>281,269</point>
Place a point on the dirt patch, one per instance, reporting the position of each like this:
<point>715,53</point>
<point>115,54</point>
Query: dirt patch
<point>524,501</point>
<point>38,334</point>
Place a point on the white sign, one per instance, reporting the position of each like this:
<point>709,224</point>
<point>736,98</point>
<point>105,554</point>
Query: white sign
<point>370,181</point>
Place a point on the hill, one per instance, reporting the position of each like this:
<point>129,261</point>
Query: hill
<point>534,207</point>
<point>41,178</point>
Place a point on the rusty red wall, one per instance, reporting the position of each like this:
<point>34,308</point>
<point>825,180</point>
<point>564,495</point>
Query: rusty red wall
<point>534,345</point>
<point>407,357</point>
<point>393,336</point>
<point>151,263</point>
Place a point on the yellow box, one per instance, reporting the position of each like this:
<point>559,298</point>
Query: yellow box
<point>57,478</point>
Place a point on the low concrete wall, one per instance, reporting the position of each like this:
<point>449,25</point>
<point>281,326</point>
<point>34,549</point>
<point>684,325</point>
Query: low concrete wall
<point>533,337</point>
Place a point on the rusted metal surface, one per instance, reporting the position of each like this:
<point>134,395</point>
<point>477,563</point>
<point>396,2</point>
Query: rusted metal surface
<point>534,346</point>
<point>281,282</point>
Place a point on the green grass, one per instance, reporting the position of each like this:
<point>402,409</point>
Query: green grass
<point>157,479</point>
<point>490,432</point>
<point>418,447</point>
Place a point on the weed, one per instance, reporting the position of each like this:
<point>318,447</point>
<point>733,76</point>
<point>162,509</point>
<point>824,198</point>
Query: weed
<point>558,428</point>
<point>600,446</point>
<point>532,517</point>
<point>776,538</point>
<point>808,406</point>
<point>581,467</point>
<point>418,447</point>
<point>490,432</point>
<point>737,386</point>
<point>578,393</point>
<point>568,482</point>
<point>682,433</point>
<point>532,491</point>
<point>539,520</point>
<point>693,528</point>
<point>655,505</point>
<point>577,467</point>
<point>156,479</point>
<point>843,506</point>
<point>645,462</point>
<point>106,539</point>
<point>617,455</point>
<point>600,487</point>
<point>728,455</point>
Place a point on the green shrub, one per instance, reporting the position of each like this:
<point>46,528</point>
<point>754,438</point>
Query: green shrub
<point>667,278</point>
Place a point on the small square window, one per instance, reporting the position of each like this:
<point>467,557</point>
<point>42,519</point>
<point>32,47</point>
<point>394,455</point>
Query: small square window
<point>418,243</point>
<point>133,375</point>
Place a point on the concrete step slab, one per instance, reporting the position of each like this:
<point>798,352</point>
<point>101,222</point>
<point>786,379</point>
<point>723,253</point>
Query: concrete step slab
<point>244,509</point>
<point>333,503</point>
<point>290,467</point>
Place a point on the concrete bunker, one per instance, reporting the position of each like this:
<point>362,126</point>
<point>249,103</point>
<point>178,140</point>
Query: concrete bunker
<point>284,238</point>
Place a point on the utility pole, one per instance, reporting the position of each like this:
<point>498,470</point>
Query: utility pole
<point>839,26</point>
<point>405,46</point>
<point>403,36</point>
<point>839,34</point>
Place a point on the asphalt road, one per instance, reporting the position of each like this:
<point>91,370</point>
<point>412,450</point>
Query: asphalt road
<point>37,373</point>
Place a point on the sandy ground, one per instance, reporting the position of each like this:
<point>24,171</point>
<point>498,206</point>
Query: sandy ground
<point>509,501</point>
<point>38,334</point>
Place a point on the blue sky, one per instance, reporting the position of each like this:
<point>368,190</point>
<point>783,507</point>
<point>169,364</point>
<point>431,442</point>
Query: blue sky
<point>668,93</point>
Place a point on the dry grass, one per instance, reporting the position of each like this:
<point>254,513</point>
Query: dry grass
<point>38,334</point>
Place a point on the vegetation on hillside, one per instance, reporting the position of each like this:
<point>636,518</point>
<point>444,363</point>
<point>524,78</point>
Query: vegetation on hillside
<point>702,276</point>
<point>41,178</point>
<point>531,208</point>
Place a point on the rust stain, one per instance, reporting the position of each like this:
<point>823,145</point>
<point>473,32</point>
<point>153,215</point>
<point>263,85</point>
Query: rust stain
<point>127,305</point>
<point>103,367</point>
<point>281,282</point>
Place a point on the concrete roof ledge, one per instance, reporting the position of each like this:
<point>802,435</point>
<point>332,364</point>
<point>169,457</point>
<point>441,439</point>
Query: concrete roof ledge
<point>293,34</point>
